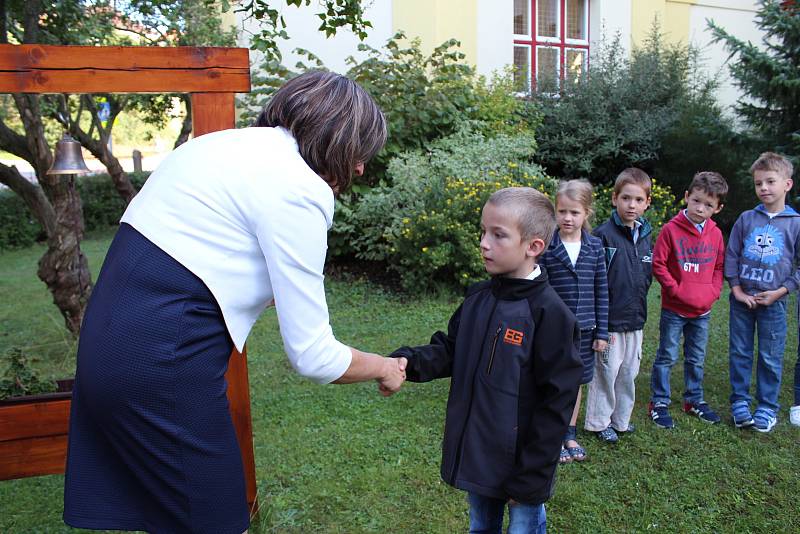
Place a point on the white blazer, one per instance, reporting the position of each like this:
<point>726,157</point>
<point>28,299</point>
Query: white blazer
<point>242,211</point>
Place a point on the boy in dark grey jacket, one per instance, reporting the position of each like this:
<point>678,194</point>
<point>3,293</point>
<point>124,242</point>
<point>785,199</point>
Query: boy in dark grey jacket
<point>512,351</point>
<point>760,266</point>
<point>629,263</point>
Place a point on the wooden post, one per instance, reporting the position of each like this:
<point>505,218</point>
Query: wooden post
<point>212,112</point>
<point>137,161</point>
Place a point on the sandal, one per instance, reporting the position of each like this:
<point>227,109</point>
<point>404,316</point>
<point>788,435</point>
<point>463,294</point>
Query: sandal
<point>565,457</point>
<point>576,453</point>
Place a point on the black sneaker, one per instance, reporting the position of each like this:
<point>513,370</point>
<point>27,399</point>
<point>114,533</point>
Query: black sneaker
<point>659,413</point>
<point>702,411</point>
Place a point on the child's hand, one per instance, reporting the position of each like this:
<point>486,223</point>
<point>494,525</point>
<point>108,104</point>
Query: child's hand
<point>393,377</point>
<point>748,300</point>
<point>599,345</point>
<point>765,298</point>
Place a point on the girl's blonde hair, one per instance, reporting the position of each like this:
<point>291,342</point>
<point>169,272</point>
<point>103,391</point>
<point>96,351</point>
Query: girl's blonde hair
<point>578,191</point>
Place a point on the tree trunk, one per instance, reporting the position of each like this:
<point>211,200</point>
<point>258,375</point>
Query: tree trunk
<point>186,126</point>
<point>64,267</point>
<point>32,195</point>
<point>100,150</point>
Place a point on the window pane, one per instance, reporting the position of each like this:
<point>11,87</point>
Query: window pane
<point>522,68</point>
<point>547,18</point>
<point>521,24</point>
<point>547,69</point>
<point>576,64</point>
<point>576,19</point>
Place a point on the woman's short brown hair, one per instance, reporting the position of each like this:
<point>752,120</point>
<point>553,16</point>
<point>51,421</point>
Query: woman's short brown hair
<point>336,124</point>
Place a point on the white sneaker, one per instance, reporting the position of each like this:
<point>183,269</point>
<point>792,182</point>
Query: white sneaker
<point>794,415</point>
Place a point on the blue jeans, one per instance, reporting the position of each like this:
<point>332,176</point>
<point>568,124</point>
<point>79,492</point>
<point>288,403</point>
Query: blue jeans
<point>695,339</point>
<point>770,321</point>
<point>486,516</point>
<point>797,378</point>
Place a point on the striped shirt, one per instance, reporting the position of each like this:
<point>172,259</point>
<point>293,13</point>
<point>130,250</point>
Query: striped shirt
<point>584,286</point>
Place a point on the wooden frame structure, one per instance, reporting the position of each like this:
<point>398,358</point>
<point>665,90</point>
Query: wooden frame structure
<point>212,76</point>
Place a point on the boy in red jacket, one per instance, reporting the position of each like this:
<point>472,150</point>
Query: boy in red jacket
<point>688,263</point>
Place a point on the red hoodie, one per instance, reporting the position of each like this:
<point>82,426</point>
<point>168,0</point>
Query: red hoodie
<point>688,265</point>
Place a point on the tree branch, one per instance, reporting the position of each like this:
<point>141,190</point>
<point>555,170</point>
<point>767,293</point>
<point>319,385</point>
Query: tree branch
<point>14,143</point>
<point>186,126</point>
<point>31,194</point>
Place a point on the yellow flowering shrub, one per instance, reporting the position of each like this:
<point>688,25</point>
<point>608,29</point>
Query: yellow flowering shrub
<point>439,244</point>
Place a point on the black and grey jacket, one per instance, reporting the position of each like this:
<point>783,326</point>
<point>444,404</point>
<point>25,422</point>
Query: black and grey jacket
<point>512,351</point>
<point>630,273</point>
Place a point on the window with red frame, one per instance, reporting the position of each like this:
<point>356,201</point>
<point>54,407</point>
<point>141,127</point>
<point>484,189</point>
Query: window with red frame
<point>551,42</point>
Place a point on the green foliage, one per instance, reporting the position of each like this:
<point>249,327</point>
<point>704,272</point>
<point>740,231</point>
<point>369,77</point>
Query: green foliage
<point>20,378</point>
<point>267,79</point>
<point>102,207</point>
<point>617,115</point>
<point>663,205</point>
<point>425,225</point>
<point>427,97</point>
<point>18,228</point>
<point>423,97</point>
<point>702,138</point>
<point>80,22</point>
<point>336,14</point>
<point>769,75</point>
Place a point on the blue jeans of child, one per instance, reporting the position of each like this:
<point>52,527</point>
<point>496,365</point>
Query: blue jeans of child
<point>797,378</point>
<point>770,321</point>
<point>695,339</point>
<point>486,516</point>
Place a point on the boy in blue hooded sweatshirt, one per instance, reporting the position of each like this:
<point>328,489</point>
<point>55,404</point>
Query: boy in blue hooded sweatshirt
<point>760,268</point>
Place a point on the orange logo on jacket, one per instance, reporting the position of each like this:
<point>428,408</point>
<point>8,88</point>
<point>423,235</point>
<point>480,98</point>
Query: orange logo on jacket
<point>514,337</point>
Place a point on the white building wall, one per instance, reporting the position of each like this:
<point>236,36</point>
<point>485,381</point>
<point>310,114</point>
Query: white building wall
<point>495,34</point>
<point>738,18</point>
<point>606,19</point>
<point>302,26</point>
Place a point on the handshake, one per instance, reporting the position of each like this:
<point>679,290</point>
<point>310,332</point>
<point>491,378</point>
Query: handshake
<point>393,376</point>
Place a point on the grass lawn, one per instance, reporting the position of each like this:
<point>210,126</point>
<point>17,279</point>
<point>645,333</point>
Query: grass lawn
<point>342,459</point>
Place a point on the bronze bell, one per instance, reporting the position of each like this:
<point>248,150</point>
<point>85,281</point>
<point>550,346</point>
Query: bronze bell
<point>69,159</point>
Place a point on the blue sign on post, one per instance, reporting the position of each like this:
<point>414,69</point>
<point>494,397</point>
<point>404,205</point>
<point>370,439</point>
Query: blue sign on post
<point>104,113</point>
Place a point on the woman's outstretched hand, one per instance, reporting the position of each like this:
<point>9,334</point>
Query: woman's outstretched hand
<point>395,374</point>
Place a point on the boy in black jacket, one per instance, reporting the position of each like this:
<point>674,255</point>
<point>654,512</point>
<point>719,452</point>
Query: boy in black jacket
<point>512,351</point>
<point>629,263</point>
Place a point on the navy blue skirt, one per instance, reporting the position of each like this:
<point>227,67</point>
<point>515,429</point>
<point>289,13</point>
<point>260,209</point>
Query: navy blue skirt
<point>151,442</point>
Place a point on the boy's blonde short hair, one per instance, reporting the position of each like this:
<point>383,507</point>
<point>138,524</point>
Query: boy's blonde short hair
<point>770,161</point>
<point>634,176</point>
<point>534,212</point>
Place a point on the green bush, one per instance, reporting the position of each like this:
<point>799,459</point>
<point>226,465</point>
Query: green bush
<point>425,226</point>
<point>440,242</point>
<point>701,139</point>
<point>18,227</point>
<point>102,207</point>
<point>20,378</point>
<point>618,114</point>
<point>428,97</point>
